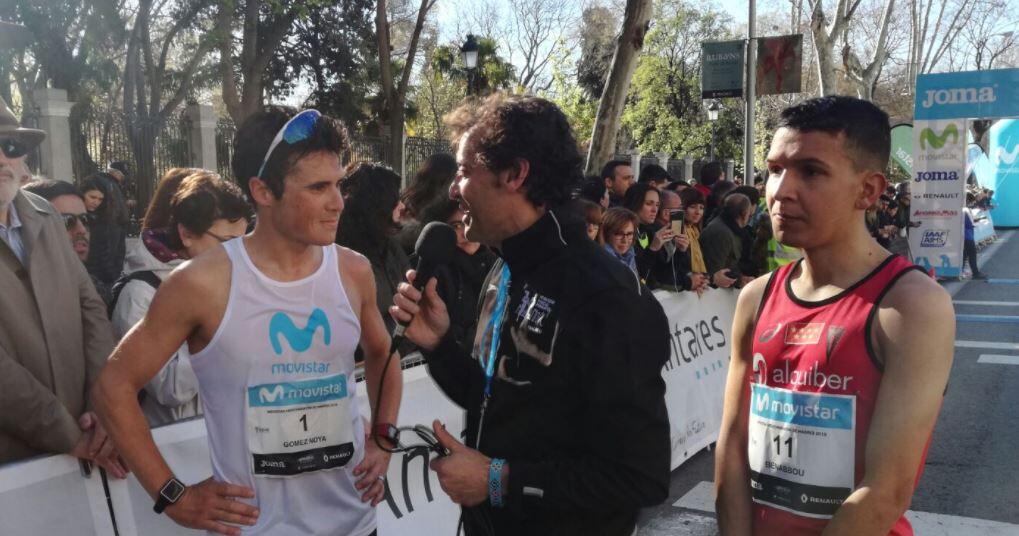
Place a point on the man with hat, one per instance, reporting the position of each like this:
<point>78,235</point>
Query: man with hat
<point>54,334</point>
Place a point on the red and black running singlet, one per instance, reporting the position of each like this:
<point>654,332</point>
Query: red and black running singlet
<point>813,387</point>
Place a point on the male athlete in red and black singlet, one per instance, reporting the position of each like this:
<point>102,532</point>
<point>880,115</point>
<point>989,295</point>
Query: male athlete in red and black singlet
<point>840,361</point>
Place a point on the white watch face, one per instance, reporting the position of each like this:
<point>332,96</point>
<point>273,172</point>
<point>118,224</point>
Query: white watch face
<point>172,490</point>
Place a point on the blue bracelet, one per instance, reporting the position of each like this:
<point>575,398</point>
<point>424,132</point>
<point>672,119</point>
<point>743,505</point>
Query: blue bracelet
<point>495,482</point>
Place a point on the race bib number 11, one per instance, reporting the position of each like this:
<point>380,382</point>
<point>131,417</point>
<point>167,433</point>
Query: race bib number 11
<point>802,449</point>
<point>299,426</point>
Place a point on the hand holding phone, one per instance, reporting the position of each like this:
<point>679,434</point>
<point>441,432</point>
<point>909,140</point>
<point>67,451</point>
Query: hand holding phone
<point>677,219</point>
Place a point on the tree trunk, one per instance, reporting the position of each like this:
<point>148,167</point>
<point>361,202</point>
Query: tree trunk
<point>610,109</point>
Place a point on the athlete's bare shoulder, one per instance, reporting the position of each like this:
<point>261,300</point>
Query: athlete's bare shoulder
<point>207,272</point>
<point>915,314</point>
<point>356,275</point>
<point>750,297</point>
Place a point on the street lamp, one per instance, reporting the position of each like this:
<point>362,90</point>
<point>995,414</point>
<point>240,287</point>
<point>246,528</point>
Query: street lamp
<point>469,51</point>
<point>713,117</point>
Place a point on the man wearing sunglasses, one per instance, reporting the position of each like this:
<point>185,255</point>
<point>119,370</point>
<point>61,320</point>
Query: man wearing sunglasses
<point>54,334</point>
<point>70,203</point>
<point>272,320</point>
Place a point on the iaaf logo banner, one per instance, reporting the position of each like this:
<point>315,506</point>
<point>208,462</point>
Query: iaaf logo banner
<point>937,141</point>
<point>934,238</point>
<point>961,95</point>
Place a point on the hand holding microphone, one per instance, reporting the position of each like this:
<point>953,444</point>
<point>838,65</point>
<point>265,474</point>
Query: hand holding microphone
<point>417,308</point>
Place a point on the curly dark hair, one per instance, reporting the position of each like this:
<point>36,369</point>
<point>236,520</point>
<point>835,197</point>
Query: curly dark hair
<point>256,133</point>
<point>509,128</point>
<point>200,200</point>
<point>430,184</point>
<point>370,193</point>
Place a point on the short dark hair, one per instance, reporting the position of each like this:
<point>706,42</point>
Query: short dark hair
<point>592,212</point>
<point>692,196</point>
<point>200,200</point>
<point>50,189</point>
<point>529,128</point>
<point>634,198</point>
<point>256,133</point>
<point>710,173</point>
<point>864,125</point>
<point>593,189</point>
<point>608,171</point>
<point>674,185</point>
<point>654,173</point>
<point>120,166</point>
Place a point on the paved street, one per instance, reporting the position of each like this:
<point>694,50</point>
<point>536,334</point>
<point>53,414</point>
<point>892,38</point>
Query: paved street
<point>970,484</point>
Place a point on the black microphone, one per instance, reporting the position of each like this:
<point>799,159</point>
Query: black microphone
<point>435,247</point>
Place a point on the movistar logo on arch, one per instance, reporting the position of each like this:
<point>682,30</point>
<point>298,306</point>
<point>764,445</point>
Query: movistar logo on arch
<point>300,339</point>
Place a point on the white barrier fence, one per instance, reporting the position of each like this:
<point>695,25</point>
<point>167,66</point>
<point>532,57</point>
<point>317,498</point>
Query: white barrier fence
<point>50,495</point>
<point>983,226</point>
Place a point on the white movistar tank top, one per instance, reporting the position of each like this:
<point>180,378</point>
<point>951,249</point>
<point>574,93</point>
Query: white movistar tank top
<point>277,383</point>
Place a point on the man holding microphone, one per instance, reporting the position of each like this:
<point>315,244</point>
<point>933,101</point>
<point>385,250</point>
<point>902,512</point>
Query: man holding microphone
<point>567,430</point>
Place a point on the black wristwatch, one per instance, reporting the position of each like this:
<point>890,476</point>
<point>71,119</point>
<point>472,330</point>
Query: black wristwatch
<point>170,493</point>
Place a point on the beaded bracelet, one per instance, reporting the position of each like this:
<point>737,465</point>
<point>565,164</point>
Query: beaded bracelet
<point>495,482</point>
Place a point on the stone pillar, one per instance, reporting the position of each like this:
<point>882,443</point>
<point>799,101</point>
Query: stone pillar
<point>688,168</point>
<point>55,151</point>
<point>730,169</point>
<point>663,160</point>
<point>203,136</point>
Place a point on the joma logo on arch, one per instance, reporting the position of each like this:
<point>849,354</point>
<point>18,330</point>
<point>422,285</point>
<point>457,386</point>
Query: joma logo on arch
<point>962,95</point>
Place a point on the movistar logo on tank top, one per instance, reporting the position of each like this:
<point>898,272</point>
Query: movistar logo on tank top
<point>299,339</point>
<point>299,392</point>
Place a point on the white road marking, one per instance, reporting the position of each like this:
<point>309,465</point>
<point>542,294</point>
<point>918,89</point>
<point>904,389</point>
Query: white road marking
<point>995,359</point>
<point>987,345</point>
<point>988,303</point>
<point>701,498</point>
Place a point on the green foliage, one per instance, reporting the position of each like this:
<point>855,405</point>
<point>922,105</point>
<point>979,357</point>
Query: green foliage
<point>571,97</point>
<point>665,111</point>
<point>493,72</point>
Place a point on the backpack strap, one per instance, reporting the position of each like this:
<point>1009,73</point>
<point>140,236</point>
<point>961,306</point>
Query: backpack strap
<point>147,276</point>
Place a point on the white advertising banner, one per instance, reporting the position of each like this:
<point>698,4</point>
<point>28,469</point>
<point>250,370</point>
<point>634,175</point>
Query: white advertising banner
<point>415,503</point>
<point>52,495</point>
<point>939,194</point>
<point>695,373</point>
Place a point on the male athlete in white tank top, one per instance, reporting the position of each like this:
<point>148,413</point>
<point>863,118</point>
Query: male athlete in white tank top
<point>272,320</point>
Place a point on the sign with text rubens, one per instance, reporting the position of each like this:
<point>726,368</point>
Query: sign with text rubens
<point>938,192</point>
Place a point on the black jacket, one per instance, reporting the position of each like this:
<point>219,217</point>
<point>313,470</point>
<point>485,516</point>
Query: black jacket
<point>108,240</point>
<point>577,406</point>
<point>460,286</point>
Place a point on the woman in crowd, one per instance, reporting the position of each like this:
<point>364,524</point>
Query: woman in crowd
<point>618,230</point>
<point>693,209</point>
<point>192,211</point>
<point>429,187</point>
<point>643,200</point>
<point>109,229</point>
<point>460,281</point>
<point>369,224</point>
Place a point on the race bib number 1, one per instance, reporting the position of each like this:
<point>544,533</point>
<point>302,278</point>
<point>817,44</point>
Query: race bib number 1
<point>802,449</point>
<point>299,426</point>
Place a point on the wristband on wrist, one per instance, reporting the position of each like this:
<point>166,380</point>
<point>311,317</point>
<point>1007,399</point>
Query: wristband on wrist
<point>495,481</point>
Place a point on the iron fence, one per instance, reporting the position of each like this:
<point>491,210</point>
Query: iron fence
<point>225,131</point>
<point>368,149</point>
<point>417,150</point>
<point>149,147</point>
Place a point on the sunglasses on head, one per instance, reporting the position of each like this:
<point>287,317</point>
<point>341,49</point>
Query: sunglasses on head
<point>13,147</point>
<point>298,128</point>
<point>71,219</point>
